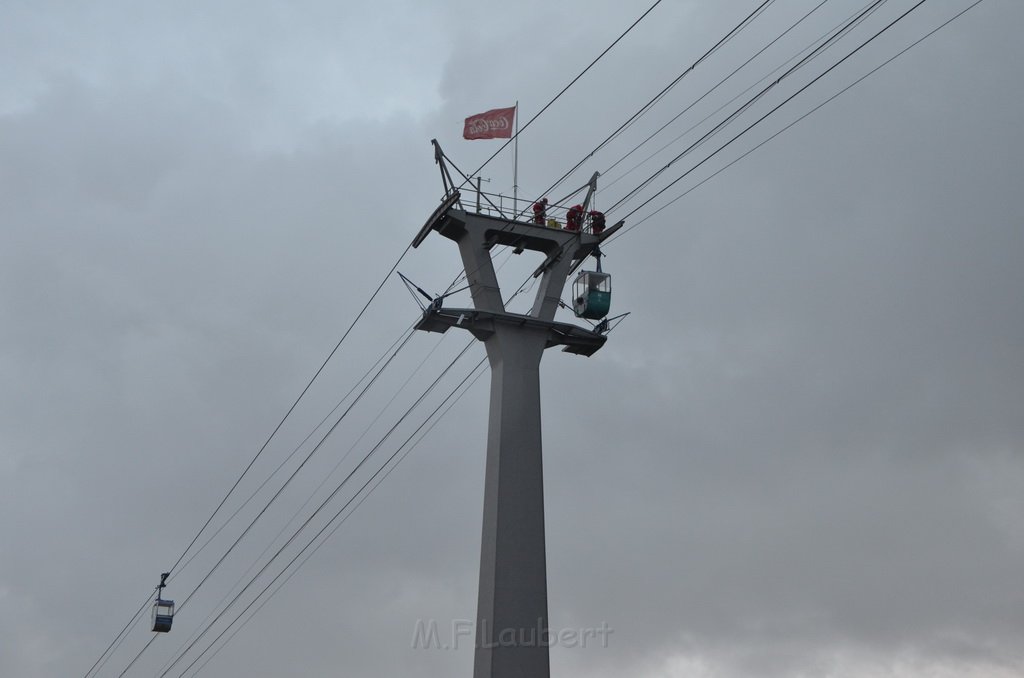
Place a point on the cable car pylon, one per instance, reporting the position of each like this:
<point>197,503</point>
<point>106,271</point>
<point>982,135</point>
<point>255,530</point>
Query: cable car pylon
<point>512,634</point>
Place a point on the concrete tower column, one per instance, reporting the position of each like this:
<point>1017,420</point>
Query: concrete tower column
<point>512,609</point>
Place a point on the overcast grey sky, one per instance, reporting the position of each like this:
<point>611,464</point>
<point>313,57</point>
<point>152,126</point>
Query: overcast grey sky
<point>802,454</point>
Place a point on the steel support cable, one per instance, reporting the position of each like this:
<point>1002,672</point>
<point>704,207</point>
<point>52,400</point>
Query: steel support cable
<point>118,639</point>
<point>820,105</point>
<point>395,266</point>
<point>333,521</point>
<point>100,661</point>
<point>467,178</point>
<point>368,427</point>
<point>402,337</point>
<point>732,34</point>
<point>805,115</point>
<point>324,480</point>
<point>723,106</point>
<point>776,108</point>
<point>977,2</point>
<point>136,657</point>
<point>817,50</point>
<point>145,647</point>
<point>508,222</point>
<point>339,487</point>
<point>476,370</point>
<point>475,373</point>
<point>852,21</point>
<point>515,208</point>
<point>373,297</point>
<point>405,335</point>
<point>291,409</point>
<point>324,503</point>
<point>843,28</point>
<point>735,114</point>
<point>279,491</point>
<point>504,227</point>
<point>379,443</point>
<point>650,104</point>
<point>463,274</point>
<point>717,85</point>
<point>294,473</point>
<point>721,42</point>
<point>564,89</point>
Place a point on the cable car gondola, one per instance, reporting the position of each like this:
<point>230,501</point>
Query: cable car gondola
<point>592,293</point>
<point>163,610</point>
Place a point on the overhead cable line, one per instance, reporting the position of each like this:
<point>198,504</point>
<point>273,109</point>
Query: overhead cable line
<point>728,103</point>
<point>751,150</point>
<point>405,335</point>
<point>580,75</point>
<point>323,504</point>
<point>750,102</point>
<point>115,644</point>
<point>327,476</point>
<point>831,36</point>
<point>345,335</point>
<point>710,91</point>
<point>119,638</point>
<point>408,448</point>
<point>241,536</point>
<point>801,118</point>
<point>339,487</point>
<point>475,373</point>
<point>837,32</point>
<point>515,208</point>
<point>321,368</point>
<point>776,108</point>
<point>721,42</point>
<point>294,473</point>
<point>136,657</point>
<point>732,33</point>
<point>647,107</point>
<point>564,89</point>
<point>850,22</point>
<point>291,409</point>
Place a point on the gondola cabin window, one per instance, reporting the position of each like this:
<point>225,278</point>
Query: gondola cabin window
<point>163,615</point>
<point>592,294</point>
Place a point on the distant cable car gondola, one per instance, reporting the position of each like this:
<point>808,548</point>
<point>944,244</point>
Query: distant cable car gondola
<point>163,610</point>
<point>592,292</point>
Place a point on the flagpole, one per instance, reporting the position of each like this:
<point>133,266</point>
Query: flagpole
<point>515,166</point>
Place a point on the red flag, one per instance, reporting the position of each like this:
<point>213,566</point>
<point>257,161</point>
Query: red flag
<point>494,124</point>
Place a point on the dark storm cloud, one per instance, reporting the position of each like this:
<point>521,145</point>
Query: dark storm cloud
<point>806,455</point>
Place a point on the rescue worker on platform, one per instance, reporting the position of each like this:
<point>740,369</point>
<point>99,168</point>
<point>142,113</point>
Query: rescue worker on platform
<point>574,218</point>
<point>596,222</point>
<point>540,211</point>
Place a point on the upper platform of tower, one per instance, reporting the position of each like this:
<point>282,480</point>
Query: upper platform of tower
<point>553,229</point>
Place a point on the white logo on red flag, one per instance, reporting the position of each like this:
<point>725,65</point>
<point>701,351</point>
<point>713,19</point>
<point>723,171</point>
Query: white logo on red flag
<point>494,124</point>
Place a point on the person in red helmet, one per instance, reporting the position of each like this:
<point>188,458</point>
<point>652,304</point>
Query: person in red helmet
<point>596,222</point>
<point>540,209</point>
<point>574,218</point>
